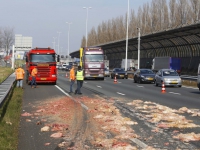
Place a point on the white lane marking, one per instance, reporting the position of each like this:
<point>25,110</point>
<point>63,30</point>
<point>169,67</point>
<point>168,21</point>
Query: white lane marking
<point>140,86</point>
<point>85,82</point>
<point>175,93</point>
<point>84,106</point>
<point>99,86</point>
<point>189,87</point>
<point>120,93</point>
<point>138,142</point>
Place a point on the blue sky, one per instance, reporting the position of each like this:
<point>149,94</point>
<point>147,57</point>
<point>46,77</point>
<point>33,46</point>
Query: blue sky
<point>42,19</point>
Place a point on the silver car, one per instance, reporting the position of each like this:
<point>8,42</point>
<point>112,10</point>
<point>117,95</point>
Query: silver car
<point>169,77</point>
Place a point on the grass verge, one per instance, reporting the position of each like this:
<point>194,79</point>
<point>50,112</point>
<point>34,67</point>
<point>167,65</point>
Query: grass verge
<point>4,73</point>
<point>9,119</point>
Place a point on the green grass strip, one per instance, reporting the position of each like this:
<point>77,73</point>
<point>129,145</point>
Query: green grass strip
<point>9,120</point>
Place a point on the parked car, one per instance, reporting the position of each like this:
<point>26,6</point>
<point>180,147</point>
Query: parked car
<point>68,67</point>
<point>119,73</point>
<point>106,72</point>
<point>60,67</point>
<point>169,77</point>
<point>63,66</point>
<point>144,75</point>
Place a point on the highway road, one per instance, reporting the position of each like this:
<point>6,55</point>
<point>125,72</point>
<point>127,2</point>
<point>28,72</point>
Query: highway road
<point>110,115</point>
<point>125,92</point>
<point>174,97</point>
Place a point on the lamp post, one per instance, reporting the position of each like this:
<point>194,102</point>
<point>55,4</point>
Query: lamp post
<point>86,23</point>
<point>54,42</point>
<point>138,48</point>
<point>68,37</point>
<point>58,42</point>
<point>127,37</point>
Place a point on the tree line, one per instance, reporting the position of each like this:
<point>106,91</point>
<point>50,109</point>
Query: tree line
<point>154,16</point>
<point>6,38</point>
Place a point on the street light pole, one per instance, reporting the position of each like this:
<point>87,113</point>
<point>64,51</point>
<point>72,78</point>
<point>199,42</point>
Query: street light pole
<point>127,37</point>
<point>138,48</point>
<point>68,37</point>
<point>86,23</point>
<point>54,42</point>
<point>58,42</point>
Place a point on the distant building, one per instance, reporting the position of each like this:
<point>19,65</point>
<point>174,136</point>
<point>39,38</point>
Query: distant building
<point>22,45</point>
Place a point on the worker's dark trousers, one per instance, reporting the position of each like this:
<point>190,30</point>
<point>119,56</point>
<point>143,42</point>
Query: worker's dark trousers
<point>79,85</point>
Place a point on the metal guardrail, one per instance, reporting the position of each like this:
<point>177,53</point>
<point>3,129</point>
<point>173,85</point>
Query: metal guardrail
<point>5,87</point>
<point>185,77</point>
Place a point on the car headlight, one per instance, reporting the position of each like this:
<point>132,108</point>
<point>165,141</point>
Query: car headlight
<point>116,73</point>
<point>166,79</point>
<point>179,79</point>
<point>143,76</point>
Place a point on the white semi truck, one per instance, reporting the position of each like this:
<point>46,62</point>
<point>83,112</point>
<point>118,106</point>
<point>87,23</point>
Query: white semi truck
<point>131,63</point>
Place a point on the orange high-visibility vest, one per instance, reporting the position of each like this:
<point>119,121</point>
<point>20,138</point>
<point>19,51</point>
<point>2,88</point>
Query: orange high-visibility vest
<point>72,74</point>
<point>19,73</point>
<point>34,72</point>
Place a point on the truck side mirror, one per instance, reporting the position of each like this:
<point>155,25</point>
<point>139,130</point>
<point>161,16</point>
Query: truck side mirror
<point>26,59</point>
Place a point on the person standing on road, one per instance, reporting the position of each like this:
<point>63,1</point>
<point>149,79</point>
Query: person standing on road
<point>19,72</point>
<point>34,74</point>
<point>72,78</point>
<point>79,79</point>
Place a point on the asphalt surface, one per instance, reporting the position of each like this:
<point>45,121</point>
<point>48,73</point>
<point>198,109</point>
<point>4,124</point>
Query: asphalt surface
<point>30,136</point>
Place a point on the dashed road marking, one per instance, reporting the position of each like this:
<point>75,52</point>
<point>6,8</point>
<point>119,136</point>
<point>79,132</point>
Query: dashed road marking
<point>175,93</point>
<point>99,86</point>
<point>120,93</point>
<point>140,86</point>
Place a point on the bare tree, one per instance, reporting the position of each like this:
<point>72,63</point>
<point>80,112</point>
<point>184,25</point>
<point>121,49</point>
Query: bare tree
<point>182,11</point>
<point>154,16</point>
<point>132,24</point>
<point>1,40</point>
<point>195,5</point>
<point>92,37</point>
<point>8,38</point>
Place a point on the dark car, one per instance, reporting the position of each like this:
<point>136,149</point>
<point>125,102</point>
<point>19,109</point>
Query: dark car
<point>144,75</point>
<point>68,67</point>
<point>119,73</point>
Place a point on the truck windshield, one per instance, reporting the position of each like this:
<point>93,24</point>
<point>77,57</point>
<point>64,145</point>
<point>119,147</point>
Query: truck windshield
<point>42,58</point>
<point>94,58</point>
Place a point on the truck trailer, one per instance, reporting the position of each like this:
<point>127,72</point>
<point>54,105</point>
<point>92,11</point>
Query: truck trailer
<point>166,63</point>
<point>131,64</point>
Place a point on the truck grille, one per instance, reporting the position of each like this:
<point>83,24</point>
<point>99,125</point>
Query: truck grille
<point>44,71</point>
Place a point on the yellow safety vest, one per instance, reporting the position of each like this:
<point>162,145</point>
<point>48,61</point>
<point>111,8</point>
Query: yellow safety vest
<point>79,75</point>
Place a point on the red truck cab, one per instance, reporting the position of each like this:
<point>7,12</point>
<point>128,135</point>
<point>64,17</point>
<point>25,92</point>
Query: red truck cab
<point>44,59</point>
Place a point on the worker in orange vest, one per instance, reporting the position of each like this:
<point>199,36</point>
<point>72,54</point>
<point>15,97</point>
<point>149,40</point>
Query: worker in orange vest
<point>33,75</point>
<point>72,78</point>
<point>19,73</point>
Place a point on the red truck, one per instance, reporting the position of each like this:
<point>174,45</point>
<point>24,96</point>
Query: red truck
<point>45,61</point>
<point>92,62</point>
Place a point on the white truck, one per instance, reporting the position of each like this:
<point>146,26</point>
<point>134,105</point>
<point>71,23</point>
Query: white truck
<point>131,63</point>
<point>166,63</point>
